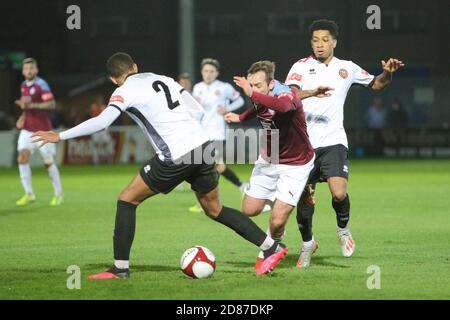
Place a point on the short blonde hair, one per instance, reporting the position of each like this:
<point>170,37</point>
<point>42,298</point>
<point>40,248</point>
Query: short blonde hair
<point>268,67</point>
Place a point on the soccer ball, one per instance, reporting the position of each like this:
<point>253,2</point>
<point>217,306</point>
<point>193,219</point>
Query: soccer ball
<point>198,262</point>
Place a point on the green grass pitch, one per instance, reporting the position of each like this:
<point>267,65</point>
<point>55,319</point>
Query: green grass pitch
<point>400,220</point>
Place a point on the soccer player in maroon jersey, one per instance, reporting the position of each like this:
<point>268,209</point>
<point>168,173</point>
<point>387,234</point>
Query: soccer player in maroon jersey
<point>281,177</point>
<point>36,101</point>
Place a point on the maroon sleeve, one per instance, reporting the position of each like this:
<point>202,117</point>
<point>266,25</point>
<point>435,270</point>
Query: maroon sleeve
<point>248,114</point>
<point>282,103</point>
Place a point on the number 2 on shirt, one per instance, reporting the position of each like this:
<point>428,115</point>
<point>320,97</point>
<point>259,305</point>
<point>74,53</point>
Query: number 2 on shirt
<point>157,86</point>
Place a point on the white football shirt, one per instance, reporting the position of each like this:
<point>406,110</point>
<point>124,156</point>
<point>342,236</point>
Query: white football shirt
<point>325,116</point>
<point>156,104</point>
<point>211,97</point>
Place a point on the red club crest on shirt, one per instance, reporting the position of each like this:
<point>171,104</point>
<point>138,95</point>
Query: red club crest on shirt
<point>364,72</point>
<point>343,73</point>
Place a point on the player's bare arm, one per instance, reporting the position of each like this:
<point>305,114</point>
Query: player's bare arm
<point>20,121</point>
<point>48,105</point>
<point>319,92</point>
<point>385,78</point>
<point>21,104</point>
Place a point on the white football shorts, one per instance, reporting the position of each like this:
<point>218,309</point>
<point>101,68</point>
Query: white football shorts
<point>278,181</point>
<point>47,152</point>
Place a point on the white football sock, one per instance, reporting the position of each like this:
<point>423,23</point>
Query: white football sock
<point>343,230</point>
<point>122,264</point>
<point>53,172</point>
<point>309,244</point>
<point>25,177</point>
<point>267,243</point>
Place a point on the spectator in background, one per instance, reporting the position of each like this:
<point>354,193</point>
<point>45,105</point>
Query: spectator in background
<point>73,117</point>
<point>97,106</point>
<point>184,79</point>
<point>398,117</point>
<point>102,142</point>
<point>376,114</point>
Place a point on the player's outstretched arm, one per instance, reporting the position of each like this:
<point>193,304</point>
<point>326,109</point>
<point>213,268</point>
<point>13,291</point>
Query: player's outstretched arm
<point>88,127</point>
<point>385,78</point>
<point>319,92</point>
<point>48,105</point>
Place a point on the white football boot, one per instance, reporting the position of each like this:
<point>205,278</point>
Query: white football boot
<point>346,241</point>
<point>306,253</point>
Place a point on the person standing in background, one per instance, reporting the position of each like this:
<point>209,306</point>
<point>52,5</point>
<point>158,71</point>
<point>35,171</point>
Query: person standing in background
<point>36,101</point>
<point>217,98</point>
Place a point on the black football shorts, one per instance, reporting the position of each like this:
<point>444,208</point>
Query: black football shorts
<point>331,161</point>
<point>163,176</point>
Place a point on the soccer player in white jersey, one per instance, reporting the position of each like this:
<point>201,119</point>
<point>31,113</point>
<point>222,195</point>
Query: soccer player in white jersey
<point>325,118</point>
<point>217,98</point>
<point>167,114</point>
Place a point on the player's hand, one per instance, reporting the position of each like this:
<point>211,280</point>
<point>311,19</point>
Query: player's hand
<point>21,104</point>
<point>222,110</point>
<point>45,137</point>
<point>392,65</point>
<point>321,92</point>
<point>231,117</point>
<point>244,84</point>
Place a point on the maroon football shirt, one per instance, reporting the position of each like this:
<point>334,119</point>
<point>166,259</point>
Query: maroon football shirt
<point>285,113</point>
<point>36,91</point>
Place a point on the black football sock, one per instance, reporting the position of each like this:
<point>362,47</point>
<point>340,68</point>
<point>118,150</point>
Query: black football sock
<point>123,273</point>
<point>342,209</point>
<point>274,248</point>
<point>232,177</point>
<point>124,229</point>
<point>242,224</point>
<point>305,214</point>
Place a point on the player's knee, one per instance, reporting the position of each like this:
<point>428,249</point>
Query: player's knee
<point>339,195</point>
<point>220,168</point>
<point>128,196</point>
<point>22,158</point>
<point>250,211</point>
<point>48,161</point>
<point>212,210</point>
